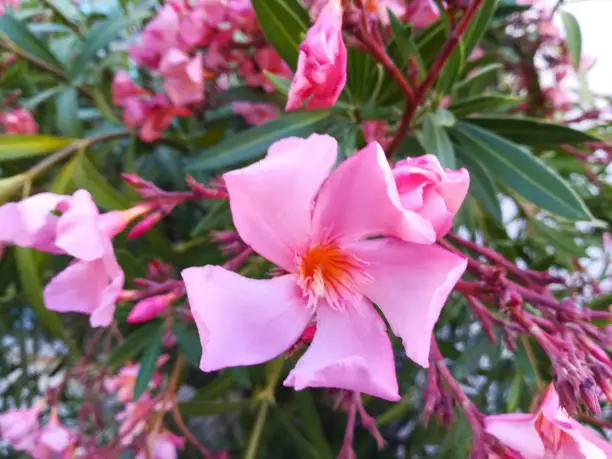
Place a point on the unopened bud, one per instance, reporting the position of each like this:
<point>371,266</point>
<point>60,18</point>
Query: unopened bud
<point>567,396</point>
<point>149,308</point>
<point>145,225</point>
<point>135,181</point>
<point>589,396</point>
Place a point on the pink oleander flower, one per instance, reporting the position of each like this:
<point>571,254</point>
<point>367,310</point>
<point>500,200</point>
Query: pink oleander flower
<point>18,122</point>
<point>20,427</point>
<point>255,113</point>
<point>123,88</point>
<point>422,13</point>
<point>321,72</point>
<point>433,192</point>
<point>5,3</point>
<point>93,281</point>
<point>184,83</point>
<point>548,433</point>
<point>165,446</point>
<point>381,9</point>
<point>158,36</point>
<point>318,228</point>
<point>54,439</point>
<point>151,116</point>
<point>123,383</point>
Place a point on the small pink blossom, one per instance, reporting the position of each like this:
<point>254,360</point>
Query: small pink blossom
<point>548,433</point>
<point>255,113</point>
<point>151,116</point>
<point>93,281</point>
<point>158,36</point>
<point>20,427</point>
<point>382,7</point>
<point>184,83</point>
<point>431,191</point>
<point>318,227</point>
<point>321,72</point>
<point>165,446</point>
<point>422,13</point>
<point>124,88</point>
<point>18,122</point>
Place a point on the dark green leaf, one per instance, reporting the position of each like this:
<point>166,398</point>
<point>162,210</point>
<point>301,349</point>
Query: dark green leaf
<point>479,25</point>
<point>284,23</point>
<point>88,177</point>
<point>514,393</point>
<point>282,85</point>
<point>573,37</point>
<point>478,104</point>
<point>482,185</point>
<point>68,113</point>
<point>133,345</point>
<point>407,46</point>
<point>25,146</point>
<point>198,408</point>
<point>518,169</point>
<point>252,143</point>
<point>477,81</point>
<point>531,131</point>
<point>312,423</point>
<point>19,35</point>
<point>148,363</point>
<point>306,449</point>
<point>451,71</point>
<point>602,302</point>
<point>188,343</point>
<point>435,140</point>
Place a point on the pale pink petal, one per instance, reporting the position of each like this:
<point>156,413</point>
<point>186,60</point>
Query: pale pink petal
<point>591,442</point>
<point>78,233</point>
<point>30,223</point>
<point>55,436</point>
<point>360,200</point>
<point>243,321</point>
<point>435,211</point>
<point>516,431</point>
<point>454,188</point>
<point>410,283</point>
<point>271,200</point>
<point>350,350</point>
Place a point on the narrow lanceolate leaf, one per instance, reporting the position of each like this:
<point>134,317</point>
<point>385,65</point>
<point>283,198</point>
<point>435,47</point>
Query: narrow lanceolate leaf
<point>88,177</point>
<point>189,343</point>
<point>133,345</point>
<point>24,146</point>
<point>573,37</point>
<point>451,71</point>
<point>407,47</point>
<point>479,25</point>
<point>435,140</point>
<point>32,286</point>
<point>518,169</point>
<point>252,143</point>
<point>284,23</point>
<point>479,104</point>
<point>148,363</point>
<point>482,185</point>
<point>531,131</point>
<point>17,34</point>
<point>68,121</point>
<point>282,85</point>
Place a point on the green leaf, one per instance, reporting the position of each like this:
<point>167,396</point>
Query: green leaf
<point>19,35</point>
<point>41,97</point>
<point>282,85</point>
<point>88,177</point>
<point>435,140</point>
<point>518,169</point>
<point>25,146</point>
<point>205,408</point>
<point>284,24</point>
<point>312,423</point>
<point>10,185</point>
<point>68,113</point>
<point>451,71</point>
<point>481,104</point>
<point>479,25</point>
<point>63,184</point>
<point>188,343</point>
<point>573,37</point>
<point>252,143</point>
<point>407,46</point>
<point>602,302</point>
<point>531,131</point>
<point>514,393</point>
<point>31,282</point>
<point>477,81</point>
<point>133,345</point>
<point>306,449</point>
<point>148,363</point>
<point>482,185</point>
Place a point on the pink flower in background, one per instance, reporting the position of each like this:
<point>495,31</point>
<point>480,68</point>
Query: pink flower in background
<point>165,446</point>
<point>18,122</point>
<point>375,131</point>
<point>5,3</point>
<point>317,226</point>
<point>255,113</point>
<point>54,439</point>
<point>382,7</point>
<point>184,83</point>
<point>123,383</point>
<point>431,191</point>
<point>548,433</point>
<point>158,36</point>
<point>321,72</point>
<point>20,427</point>
<point>93,281</point>
<point>123,88</point>
<point>422,13</point>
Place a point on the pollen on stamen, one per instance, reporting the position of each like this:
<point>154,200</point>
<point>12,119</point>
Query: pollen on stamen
<point>330,274</point>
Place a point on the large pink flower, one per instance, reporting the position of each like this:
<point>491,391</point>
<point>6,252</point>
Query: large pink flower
<point>92,282</point>
<point>20,427</point>
<point>548,433</point>
<point>321,71</point>
<point>428,189</point>
<point>184,77</point>
<point>316,226</point>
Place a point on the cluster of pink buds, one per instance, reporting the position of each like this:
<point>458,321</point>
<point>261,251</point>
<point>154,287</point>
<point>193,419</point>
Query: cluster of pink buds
<point>14,119</point>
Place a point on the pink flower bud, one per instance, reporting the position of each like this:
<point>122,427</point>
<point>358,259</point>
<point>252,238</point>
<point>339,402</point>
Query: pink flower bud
<point>149,308</point>
<point>145,225</point>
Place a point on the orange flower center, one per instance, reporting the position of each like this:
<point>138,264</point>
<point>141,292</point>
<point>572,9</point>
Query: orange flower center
<point>329,273</point>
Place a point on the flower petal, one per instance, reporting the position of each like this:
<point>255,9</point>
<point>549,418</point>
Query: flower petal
<point>350,350</point>
<point>77,229</point>
<point>516,431</point>
<point>360,200</point>
<point>271,200</point>
<point>410,283</point>
<point>243,321</point>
